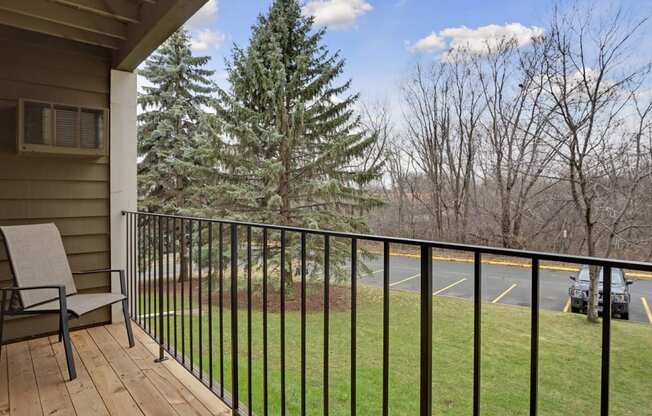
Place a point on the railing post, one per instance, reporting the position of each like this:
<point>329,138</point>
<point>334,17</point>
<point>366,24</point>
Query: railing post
<point>426,331</point>
<point>386,256</point>
<point>477,330</point>
<point>606,339</point>
<point>534,340</point>
<point>161,340</point>
<point>282,335</point>
<point>234,318</point>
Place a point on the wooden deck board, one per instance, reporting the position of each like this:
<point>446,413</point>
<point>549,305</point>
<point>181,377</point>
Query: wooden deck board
<point>111,379</point>
<point>82,391</point>
<point>55,399</point>
<point>24,399</point>
<point>182,400</point>
<point>115,395</point>
<point>150,400</point>
<point>215,405</point>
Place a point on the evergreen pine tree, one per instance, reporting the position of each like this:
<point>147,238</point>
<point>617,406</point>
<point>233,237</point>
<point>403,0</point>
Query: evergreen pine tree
<point>170,127</point>
<point>292,141</point>
<point>170,122</point>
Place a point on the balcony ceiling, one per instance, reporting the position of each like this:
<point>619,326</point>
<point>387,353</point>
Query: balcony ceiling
<point>129,29</point>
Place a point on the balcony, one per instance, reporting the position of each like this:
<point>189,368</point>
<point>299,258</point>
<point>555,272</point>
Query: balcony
<point>338,341</point>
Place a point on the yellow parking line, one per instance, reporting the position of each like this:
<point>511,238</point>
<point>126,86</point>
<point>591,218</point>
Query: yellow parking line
<point>567,305</point>
<point>647,309</point>
<point>502,295</point>
<point>448,287</point>
<point>404,280</point>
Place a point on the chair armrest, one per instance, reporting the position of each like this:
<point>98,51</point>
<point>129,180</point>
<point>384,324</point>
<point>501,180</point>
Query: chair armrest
<point>60,288</point>
<point>17,289</point>
<point>123,283</point>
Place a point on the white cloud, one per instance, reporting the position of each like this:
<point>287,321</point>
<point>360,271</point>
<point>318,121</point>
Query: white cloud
<point>430,43</point>
<point>338,14</point>
<point>206,38</point>
<point>476,40</point>
<point>204,16</point>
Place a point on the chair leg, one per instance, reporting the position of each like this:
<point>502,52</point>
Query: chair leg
<point>130,334</point>
<point>60,329</point>
<point>70,360</point>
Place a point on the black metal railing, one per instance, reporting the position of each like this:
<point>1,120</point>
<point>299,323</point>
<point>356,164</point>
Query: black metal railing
<point>161,248</point>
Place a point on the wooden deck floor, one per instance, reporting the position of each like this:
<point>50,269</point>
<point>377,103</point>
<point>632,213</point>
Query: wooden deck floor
<point>112,379</point>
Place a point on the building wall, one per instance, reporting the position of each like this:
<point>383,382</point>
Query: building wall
<point>73,193</point>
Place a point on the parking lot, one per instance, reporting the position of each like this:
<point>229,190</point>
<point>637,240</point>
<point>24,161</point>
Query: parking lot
<point>500,284</point>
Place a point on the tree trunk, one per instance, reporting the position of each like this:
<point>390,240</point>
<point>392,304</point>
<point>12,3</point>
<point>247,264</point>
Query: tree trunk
<point>183,268</point>
<point>594,272</point>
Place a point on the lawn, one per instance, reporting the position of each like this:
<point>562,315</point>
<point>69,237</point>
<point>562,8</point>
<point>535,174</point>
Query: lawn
<point>569,380</point>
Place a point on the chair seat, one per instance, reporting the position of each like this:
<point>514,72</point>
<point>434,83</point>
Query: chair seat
<point>80,304</point>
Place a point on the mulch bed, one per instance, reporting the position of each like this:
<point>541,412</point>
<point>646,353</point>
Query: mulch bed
<point>339,296</point>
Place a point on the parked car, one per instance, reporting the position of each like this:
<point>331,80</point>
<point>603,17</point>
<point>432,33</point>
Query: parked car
<point>620,297</point>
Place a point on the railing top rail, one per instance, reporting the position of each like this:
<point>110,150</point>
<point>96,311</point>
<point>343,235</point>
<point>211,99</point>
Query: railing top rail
<point>471,248</point>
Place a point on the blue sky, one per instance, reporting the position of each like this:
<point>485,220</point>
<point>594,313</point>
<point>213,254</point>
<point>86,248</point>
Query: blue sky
<point>381,39</point>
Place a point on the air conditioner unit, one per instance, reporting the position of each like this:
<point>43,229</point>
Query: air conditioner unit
<point>59,129</point>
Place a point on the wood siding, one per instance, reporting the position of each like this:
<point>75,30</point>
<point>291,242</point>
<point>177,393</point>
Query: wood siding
<point>71,192</point>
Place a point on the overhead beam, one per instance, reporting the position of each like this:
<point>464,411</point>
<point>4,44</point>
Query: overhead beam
<point>53,29</point>
<point>66,16</point>
<point>159,21</point>
<point>123,10</point>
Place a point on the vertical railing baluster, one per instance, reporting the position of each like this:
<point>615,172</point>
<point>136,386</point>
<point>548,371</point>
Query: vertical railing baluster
<point>128,263</point>
<point>354,321</point>
<point>135,267</point>
<point>282,322</point>
<point>477,330</point>
<point>327,255</point>
<point>303,324</point>
<point>190,312</point>
<point>199,302</point>
<point>386,256</point>
<point>249,322</point>
<point>606,340</point>
<point>234,319</point>
<point>210,305</point>
<point>184,276</point>
<point>425,395</point>
<point>161,342</point>
<point>265,358</point>
<point>141,271</point>
<point>154,263</point>
<point>174,282</point>
<point>130,270</point>
<point>127,259</point>
<point>221,304</point>
<point>149,275</point>
<point>167,280</point>
<point>534,339</point>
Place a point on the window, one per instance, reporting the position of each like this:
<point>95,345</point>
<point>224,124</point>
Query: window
<point>61,129</point>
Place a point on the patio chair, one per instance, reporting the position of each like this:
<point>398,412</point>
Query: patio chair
<point>44,284</point>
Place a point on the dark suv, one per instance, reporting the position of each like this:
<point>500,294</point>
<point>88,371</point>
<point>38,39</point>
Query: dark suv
<point>620,297</point>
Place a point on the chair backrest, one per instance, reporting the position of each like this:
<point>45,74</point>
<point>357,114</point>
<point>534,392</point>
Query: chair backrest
<point>37,258</point>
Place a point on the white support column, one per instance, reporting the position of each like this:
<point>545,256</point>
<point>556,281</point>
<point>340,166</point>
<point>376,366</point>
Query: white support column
<point>123,155</point>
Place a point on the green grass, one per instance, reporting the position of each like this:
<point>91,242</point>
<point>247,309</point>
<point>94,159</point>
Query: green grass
<point>570,357</point>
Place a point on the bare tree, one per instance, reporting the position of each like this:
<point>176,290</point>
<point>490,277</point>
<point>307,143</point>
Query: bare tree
<point>442,111</point>
<point>516,153</point>
<point>590,87</point>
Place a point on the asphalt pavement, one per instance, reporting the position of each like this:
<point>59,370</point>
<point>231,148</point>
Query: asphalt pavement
<point>500,284</point>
